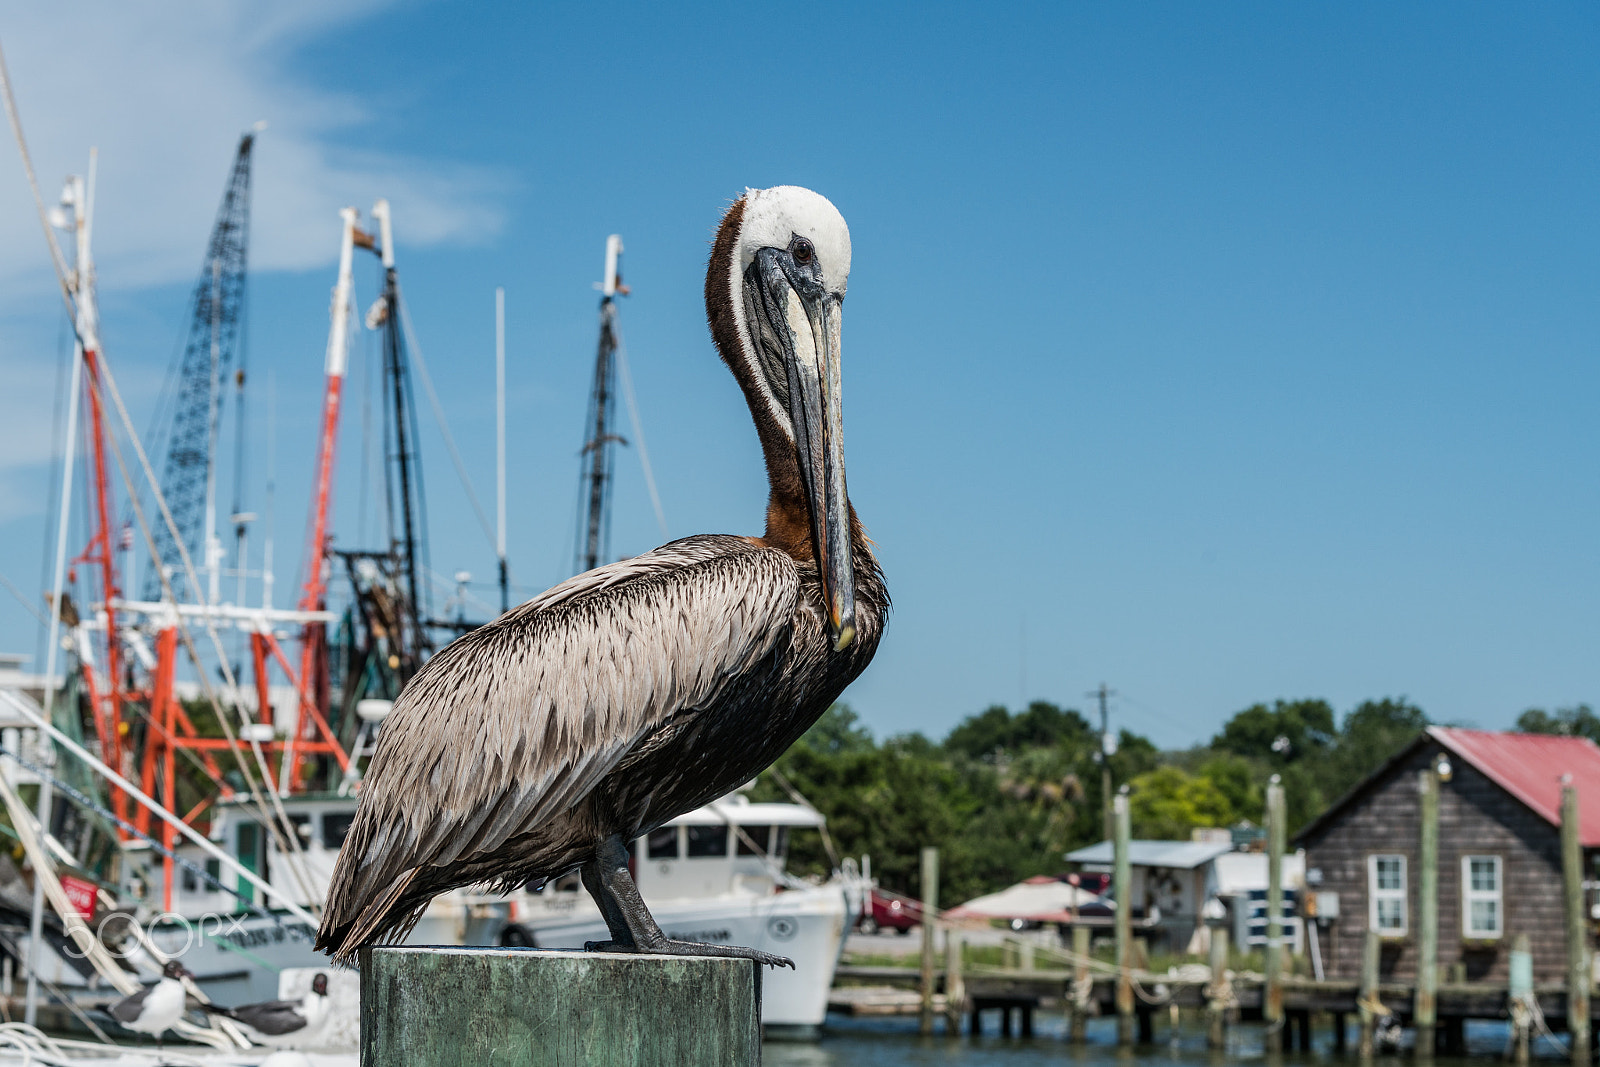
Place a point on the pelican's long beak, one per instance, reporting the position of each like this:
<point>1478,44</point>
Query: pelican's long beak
<point>805,319</point>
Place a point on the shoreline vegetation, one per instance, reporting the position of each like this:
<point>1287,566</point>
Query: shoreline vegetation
<point>1006,794</point>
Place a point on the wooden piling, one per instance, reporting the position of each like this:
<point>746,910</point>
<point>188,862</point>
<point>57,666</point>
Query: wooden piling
<point>1578,973</point>
<point>955,988</point>
<point>1122,879</point>
<point>1272,1001</point>
<point>1369,992</point>
<point>1216,993</point>
<point>1024,954</point>
<point>930,923</point>
<point>1521,994</point>
<point>472,1007</point>
<point>1424,1011</point>
<point>1079,1019</point>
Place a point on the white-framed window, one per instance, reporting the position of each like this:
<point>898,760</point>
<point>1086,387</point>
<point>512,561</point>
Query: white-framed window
<point>1482,897</point>
<point>1386,894</point>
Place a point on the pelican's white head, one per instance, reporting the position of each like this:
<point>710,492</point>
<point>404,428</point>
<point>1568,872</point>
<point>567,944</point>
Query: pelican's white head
<point>779,269</point>
<point>784,214</point>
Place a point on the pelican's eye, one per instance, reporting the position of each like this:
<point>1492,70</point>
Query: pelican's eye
<point>802,251</point>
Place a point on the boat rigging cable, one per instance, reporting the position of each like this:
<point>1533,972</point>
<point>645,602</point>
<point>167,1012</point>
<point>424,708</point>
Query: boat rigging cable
<point>298,933</point>
<point>195,838</point>
<point>288,844</point>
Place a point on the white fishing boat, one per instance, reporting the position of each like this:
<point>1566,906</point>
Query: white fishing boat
<point>717,875</point>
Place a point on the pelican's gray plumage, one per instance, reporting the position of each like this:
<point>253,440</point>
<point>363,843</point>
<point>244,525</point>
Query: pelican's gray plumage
<point>640,690</point>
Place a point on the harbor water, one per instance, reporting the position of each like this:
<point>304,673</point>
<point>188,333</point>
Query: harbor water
<point>894,1042</point>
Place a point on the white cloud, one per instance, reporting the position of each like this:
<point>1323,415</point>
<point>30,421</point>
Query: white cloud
<point>163,90</point>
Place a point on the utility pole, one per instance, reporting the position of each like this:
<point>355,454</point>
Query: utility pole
<point>1108,748</point>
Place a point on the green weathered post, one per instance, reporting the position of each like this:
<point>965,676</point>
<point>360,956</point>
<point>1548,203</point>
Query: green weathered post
<point>1272,1000</point>
<point>1218,992</point>
<point>930,926</point>
<point>1369,991</point>
<point>1082,984</point>
<point>1122,878</point>
<point>1425,1011</point>
<point>473,1007</point>
<point>1578,977</point>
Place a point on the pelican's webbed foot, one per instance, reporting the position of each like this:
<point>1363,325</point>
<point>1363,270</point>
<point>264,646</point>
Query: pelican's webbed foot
<point>632,928</point>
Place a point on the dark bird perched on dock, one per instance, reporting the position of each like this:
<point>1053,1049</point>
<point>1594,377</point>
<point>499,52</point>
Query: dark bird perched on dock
<point>281,1022</point>
<point>156,1008</point>
<point>641,690</point>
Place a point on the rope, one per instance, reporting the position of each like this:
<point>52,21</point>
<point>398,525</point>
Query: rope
<point>156,846</point>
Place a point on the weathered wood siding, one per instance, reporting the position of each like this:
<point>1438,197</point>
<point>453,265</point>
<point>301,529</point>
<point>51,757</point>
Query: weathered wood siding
<point>1476,818</point>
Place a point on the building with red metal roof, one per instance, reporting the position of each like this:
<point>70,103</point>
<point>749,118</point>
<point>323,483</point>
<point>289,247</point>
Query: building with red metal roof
<point>1499,859</point>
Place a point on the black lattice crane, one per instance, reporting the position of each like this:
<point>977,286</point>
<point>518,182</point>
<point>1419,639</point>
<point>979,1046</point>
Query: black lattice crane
<point>212,354</point>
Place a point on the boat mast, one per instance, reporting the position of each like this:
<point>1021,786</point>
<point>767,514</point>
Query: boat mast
<point>500,444</point>
<point>602,405</point>
<point>406,468</point>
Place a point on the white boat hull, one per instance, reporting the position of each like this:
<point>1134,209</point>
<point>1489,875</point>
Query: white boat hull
<point>807,925</point>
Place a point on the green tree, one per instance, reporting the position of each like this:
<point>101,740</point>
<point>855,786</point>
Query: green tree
<point>1166,803</point>
<point>1241,782</point>
<point>1374,732</point>
<point>1288,731</point>
<point>996,730</point>
<point>1579,721</point>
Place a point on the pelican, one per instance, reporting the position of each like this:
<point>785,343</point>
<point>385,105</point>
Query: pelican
<point>628,695</point>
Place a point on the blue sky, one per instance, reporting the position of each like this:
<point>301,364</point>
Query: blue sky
<point>1218,353</point>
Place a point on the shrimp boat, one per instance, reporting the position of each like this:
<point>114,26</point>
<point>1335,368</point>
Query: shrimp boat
<point>715,874</point>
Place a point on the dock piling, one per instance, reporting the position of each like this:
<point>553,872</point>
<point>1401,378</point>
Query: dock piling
<point>456,1007</point>
<point>1082,985</point>
<point>1217,995</point>
<point>1578,970</point>
<point>930,922</point>
<point>1425,1009</point>
<point>1368,1004</point>
<point>1272,1004</point>
<point>955,989</point>
<point>1122,878</point>
<point>1521,997</point>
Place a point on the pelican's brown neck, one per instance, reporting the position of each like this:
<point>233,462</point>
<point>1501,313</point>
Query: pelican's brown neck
<point>788,521</point>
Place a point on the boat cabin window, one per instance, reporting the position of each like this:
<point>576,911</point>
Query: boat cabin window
<point>753,840</point>
<point>662,844</point>
<point>302,828</point>
<point>707,841</point>
<point>780,842</point>
<point>336,827</point>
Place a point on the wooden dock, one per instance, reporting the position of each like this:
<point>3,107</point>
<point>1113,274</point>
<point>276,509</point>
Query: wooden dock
<point>884,990</point>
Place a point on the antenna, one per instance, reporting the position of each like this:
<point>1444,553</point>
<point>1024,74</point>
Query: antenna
<point>500,444</point>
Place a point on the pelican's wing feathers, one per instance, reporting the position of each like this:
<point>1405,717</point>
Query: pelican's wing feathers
<point>519,720</point>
